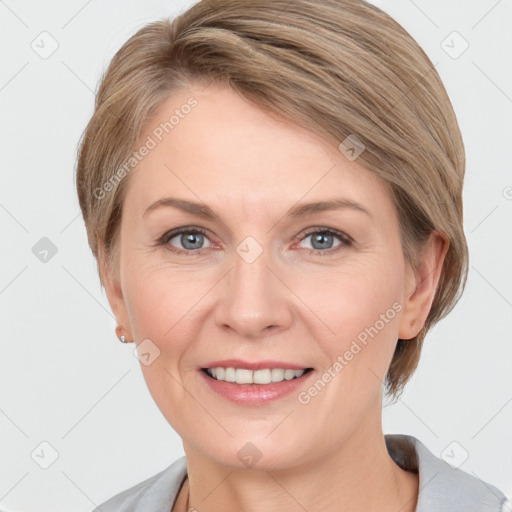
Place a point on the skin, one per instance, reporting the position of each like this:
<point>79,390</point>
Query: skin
<point>250,168</point>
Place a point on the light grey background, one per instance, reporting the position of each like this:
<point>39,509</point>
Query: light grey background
<point>68,382</point>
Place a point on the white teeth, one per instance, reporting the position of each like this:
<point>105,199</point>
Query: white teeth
<point>262,377</point>
<point>243,376</point>
<point>229,375</point>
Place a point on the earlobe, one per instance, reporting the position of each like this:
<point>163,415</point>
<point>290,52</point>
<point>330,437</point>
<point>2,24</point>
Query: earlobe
<point>114,292</point>
<point>421,286</point>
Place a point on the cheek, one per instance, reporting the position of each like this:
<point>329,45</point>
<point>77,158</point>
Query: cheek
<point>354,296</point>
<point>154,307</point>
<point>361,308</point>
<point>160,297</point>
<point>164,309</point>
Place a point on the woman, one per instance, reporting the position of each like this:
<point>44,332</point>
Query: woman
<point>273,193</point>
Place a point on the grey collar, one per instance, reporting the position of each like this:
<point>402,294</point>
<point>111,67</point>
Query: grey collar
<point>441,487</point>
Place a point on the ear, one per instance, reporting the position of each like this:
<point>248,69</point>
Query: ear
<point>420,287</point>
<point>114,294</point>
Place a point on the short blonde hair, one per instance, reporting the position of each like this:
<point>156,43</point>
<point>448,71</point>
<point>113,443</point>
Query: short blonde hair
<point>336,67</point>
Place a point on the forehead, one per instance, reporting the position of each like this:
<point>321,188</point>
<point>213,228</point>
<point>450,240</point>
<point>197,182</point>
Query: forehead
<point>227,151</point>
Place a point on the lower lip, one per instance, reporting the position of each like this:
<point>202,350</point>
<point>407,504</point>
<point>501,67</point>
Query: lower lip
<point>254,394</point>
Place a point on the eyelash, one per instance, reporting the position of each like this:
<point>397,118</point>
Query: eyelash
<point>345,239</point>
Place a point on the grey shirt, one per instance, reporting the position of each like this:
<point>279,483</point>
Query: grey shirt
<point>441,487</point>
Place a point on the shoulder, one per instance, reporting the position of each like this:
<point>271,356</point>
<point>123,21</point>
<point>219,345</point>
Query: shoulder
<point>444,487</point>
<point>156,493</point>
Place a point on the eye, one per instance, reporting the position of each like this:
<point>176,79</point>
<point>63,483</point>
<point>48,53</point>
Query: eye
<point>322,240</point>
<point>190,239</point>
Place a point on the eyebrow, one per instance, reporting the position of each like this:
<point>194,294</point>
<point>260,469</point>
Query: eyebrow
<point>297,211</point>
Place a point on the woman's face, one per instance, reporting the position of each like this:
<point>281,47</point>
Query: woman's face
<point>266,280</point>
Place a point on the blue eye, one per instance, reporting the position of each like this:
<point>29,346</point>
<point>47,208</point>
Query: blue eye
<point>323,239</point>
<point>192,240</point>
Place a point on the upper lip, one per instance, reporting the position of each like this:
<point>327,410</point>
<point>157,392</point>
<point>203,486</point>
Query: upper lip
<point>256,365</point>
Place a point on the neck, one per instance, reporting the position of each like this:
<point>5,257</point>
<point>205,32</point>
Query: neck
<point>357,475</point>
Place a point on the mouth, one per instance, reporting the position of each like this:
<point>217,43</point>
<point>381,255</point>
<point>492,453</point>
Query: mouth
<point>254,383</point>
<point>263,376</point>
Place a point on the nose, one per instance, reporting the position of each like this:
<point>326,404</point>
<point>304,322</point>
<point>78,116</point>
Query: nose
<point>254,300</point>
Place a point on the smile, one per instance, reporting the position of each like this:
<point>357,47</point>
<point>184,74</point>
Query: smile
<point>254,388</point>
<point>263,376</point>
